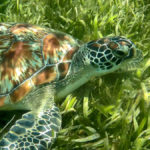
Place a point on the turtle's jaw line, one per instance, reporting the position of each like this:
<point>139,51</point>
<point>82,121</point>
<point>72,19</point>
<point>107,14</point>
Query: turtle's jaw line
<point>100,73</point>
<point>138,55</point>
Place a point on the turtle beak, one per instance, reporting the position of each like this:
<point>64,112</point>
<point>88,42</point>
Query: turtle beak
<point>138,56</point>
<point>135,55</point>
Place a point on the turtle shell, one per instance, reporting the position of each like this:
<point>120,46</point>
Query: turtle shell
<point>30,56</point>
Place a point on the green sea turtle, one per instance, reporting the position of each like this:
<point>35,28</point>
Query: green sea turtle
<point>38,66</point>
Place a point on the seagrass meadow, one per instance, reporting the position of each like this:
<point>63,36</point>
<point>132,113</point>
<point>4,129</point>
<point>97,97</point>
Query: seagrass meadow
<point>107,113</point>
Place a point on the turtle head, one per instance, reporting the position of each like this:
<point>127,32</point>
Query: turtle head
<point>109,54</point>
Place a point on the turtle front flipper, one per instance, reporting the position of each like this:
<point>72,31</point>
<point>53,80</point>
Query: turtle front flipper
<point>33,131</point>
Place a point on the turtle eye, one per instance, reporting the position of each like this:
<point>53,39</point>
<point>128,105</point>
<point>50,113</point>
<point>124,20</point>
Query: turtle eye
<point>120,47</point>
<point>119,53</point>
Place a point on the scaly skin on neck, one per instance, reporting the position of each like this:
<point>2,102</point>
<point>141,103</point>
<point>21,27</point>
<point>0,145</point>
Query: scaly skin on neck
<point>72,82</point>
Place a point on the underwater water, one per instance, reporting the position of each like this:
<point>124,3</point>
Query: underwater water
<point>110,112</point>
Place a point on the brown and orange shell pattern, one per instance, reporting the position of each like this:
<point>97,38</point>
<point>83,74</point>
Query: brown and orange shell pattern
<point>29,56</point>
